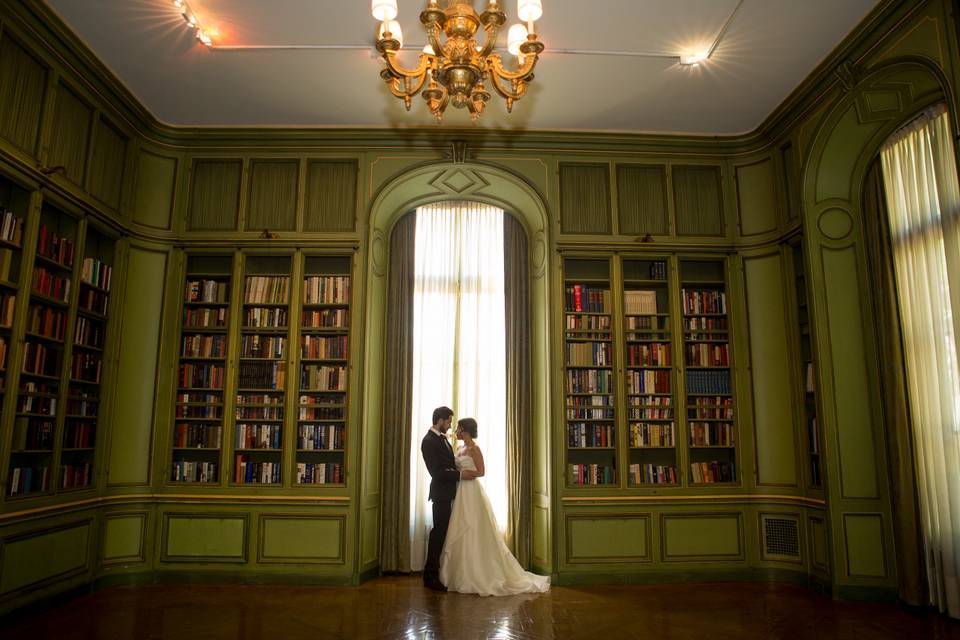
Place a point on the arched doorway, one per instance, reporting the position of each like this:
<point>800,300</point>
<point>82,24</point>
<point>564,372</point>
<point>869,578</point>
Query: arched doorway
<point>428,184</point>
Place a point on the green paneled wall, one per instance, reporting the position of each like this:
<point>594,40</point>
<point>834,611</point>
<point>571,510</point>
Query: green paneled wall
<point>696,193</point>
<point>23,81</point>
<point>214,195</point>
<point>642,200</point>
<point>757,198</point>
<point>137,370</point>
<point>773,400</point>
<point>70,134</point>
<point>331,197</point>
<point>154,194</point>
<point>45,555</point>
<point>273,195</point>
<point>585,198</point>
<point>107,164</point>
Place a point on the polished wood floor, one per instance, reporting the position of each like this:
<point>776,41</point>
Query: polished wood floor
<point>399,607</point>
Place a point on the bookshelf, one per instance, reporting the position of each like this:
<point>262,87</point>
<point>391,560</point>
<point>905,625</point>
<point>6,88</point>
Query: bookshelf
<point>204,335</point>
<point>808,373</point>
<point>710,415</point>
<point>323,397</point>
<point>82,411</point>
<point>14,205</point>
<point>41,380</point>
<point>590,413</point>
<point>648,373</point>
<point>261,384</point>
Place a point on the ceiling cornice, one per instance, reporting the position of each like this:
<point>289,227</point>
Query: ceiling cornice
<point>42,23</point>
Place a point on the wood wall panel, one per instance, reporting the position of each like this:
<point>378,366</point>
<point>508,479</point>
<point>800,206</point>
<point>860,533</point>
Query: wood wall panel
<point>273,195</point>
<point>696,192</point>
<point>642,199</point>
<point>23,82</point>
<point>214,195</point>
<point>153,197</point>
<point>331,197</point>
<point>584,198</point>
<point>107,163</point>
<point>70,134</point>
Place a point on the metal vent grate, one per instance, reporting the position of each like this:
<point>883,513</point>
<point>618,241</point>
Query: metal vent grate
<point>781,537</point>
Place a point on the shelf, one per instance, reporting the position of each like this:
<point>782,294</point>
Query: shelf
<point>42,376</point>
<point>321,450</point>
<point>6,244</point>
<point>198,303</point>
<point>184,358</point>
<point>90,285</point>
<point>269,305</point>
<point>6,284</point>
<point>40,336</point>
<point>187,330</point>
<point>45,299</point>
<point>252,329</point>
<point>91,314</point>
<point>87,347</point>
<point>262,450</point>
<point>50,262</point>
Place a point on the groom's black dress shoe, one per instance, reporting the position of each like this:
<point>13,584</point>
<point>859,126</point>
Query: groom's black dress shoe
<point>436,585</point>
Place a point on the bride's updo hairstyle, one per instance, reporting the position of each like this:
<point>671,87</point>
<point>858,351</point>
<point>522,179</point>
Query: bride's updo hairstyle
<point>469,425</point>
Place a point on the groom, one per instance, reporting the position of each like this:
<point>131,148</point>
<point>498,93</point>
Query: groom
<point>438,456</point>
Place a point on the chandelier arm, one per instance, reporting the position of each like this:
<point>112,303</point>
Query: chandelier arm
<point>408,90</point>
<point>509,94</point>
<point>397,70</point>
<point>433,37</point>
<point>492,30</point>
<point>523,73</point>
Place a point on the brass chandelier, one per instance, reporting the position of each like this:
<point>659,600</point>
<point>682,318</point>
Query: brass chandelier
<point>456,70</point>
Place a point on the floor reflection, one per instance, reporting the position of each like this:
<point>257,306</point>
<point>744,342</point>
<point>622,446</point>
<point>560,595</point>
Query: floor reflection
<point>400,608</point>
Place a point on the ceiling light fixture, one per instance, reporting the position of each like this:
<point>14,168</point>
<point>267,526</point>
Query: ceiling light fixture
<point>456,71</point>
<point>203,34</point>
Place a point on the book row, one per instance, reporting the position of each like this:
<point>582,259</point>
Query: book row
<point>645,382</point>
<point>11,227</point>
<point>320,473</point>
<point>586,354</point>
<point>638,303</point>
<point>583,298</point>
<point>325,319</point>
<point>95,272</point>
<point>322,347</point>
<point>210,291</point>
<point>203,346</point>
<point>589,381</point>
<point>250,472</point>
<point>320,437</point>
<point>326,290</point>
<point>652,474</point>
<point>711,434</point>
<point>266,290</point>
<point>591,435</point>
<point>708,472</point>
<point>197,436</point>
<point>653,354</point>
<point>258,436</point>
<point>54,246</point>
<point>642,434</point>
<point>262,375</point>
<point>592,474</point>
<point>79,435</point>
<point>53,286</point>
<point>260,346</point>
<point>708,301</point>
<point>705,354</point>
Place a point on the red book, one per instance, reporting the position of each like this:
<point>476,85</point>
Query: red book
<point>577,298</point>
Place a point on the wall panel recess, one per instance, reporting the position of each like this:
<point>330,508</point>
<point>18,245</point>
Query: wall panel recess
<point>757,198</point>
<point>302,539</point>
<point>205,537</point>
<point>107,163</point>
<point>153,197</point>
<point>331,196</point>
<point>214,195</point>
<point>273,195</point>
<point>70,134</point>
<point>36,558</point>
<point>584,198</point>
<point>642,200</point>
<point>696,194</point>
<point>23,82</point>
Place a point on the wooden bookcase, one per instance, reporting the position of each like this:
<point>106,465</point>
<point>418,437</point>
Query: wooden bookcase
<point>808,372</point>
<point>649,383</point>
<point>261,375</point>
<point>198,428</point>
<point>323,389</point>
<point>648,372</point>
<point>271,396</point>
<point>708,372</point>
<point>83,407</point>
<point>590,392</point>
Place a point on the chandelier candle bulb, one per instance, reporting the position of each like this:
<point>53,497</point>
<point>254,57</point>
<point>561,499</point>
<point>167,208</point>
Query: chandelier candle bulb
<point>529,10</point>
<point>383,10</point>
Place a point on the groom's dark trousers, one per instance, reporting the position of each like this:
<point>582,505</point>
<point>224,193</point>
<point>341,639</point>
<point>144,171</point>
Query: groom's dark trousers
<point>444,476</point>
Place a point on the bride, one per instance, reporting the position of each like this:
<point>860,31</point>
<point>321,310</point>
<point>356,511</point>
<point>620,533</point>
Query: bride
<point>475,558</point>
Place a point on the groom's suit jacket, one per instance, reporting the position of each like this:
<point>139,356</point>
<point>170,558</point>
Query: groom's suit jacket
<point>440,462</point>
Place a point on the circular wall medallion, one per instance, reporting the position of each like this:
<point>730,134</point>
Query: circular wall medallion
<point>835,223</point>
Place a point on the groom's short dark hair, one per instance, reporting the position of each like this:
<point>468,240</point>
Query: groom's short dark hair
<point>441,413</point>
<point>469,425</point>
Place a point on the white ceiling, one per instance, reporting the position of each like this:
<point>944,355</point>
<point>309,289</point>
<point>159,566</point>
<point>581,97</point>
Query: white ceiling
<point>768,48</point>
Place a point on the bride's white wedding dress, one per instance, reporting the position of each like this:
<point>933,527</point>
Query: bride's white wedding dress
<point>475,558</point>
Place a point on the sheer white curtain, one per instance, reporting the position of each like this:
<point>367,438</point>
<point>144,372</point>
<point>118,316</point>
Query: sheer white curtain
<point>458,345</point>
<point>923,201</point>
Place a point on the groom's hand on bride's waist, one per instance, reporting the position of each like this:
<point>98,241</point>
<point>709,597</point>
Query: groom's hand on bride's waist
<point>466,474</point>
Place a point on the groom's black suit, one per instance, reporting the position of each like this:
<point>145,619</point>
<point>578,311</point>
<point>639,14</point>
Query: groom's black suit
<point>438,456</point>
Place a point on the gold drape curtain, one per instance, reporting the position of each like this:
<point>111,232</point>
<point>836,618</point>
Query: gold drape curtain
<point>397,400</point>
<point>923,213</point>
<point>519,389</point>
<point>893,380</point>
